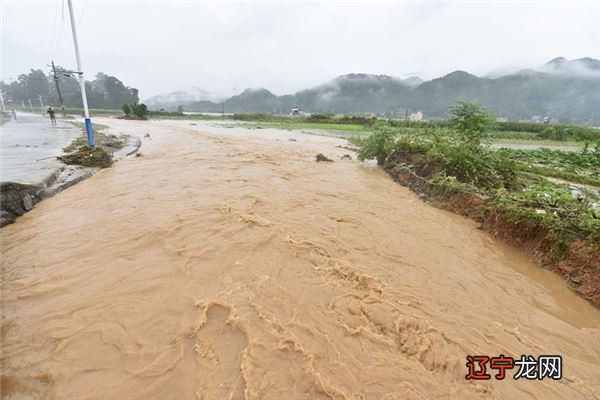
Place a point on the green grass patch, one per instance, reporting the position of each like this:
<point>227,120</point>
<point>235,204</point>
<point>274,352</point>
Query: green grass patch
<point>313,125</point>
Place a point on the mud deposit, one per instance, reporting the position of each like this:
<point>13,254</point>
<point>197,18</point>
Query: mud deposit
<point>231,265</point>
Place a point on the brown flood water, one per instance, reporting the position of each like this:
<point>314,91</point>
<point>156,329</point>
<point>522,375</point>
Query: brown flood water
<point>230,265</point>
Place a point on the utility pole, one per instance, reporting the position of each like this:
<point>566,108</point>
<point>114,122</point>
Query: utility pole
<point>60,99</point>
<point>30,105</point>
<point>2,101</point>
<point>86,112</point>
<point>23,104</point>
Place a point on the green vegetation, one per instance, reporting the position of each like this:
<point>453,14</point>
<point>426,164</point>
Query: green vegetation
<point>579,167</point>
<point>310,125</point>
<point>104,92</point>
<point>507,190</point>
<point>135,111</point>
<point>88,157</point>
<point>99,136</point>
<point>471,120</point>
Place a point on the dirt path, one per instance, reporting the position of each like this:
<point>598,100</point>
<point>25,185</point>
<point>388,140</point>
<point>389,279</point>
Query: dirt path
<point>230,265</point>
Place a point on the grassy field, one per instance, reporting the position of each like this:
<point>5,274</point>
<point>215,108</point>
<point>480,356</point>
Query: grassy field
<point>500,132</point>
<point>310,125</point>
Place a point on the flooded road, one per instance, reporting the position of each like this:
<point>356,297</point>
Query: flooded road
<point>228,264</point>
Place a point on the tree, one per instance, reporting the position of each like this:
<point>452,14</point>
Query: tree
<point>140,110</point>
<point>104,91</point>
<point>126,109</point>
<point>471,120</point>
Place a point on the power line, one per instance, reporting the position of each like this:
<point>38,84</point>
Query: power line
<point>53,35</point>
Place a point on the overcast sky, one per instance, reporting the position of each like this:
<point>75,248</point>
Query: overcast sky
<point>161,46</point>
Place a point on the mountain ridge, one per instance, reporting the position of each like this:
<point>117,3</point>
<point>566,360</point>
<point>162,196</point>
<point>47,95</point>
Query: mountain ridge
<point>565,90</point>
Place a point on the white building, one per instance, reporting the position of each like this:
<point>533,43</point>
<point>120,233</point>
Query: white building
<point>416,116</point>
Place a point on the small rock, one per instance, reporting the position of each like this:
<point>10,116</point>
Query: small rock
<point>320,157</point>
<point>27,202</point>
<point>6,218</point>
<point>292,140</point>
<point>346,157</point>
<point>575,279</point>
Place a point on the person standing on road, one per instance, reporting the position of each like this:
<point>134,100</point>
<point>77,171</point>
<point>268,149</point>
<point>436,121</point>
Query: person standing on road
<point>52,115</point>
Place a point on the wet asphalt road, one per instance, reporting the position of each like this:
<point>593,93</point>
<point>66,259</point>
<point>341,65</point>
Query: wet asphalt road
<point>28,147</point>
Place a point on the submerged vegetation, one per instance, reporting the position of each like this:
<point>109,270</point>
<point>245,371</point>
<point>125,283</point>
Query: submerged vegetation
<point>87,156</point>
<point>79,153</point>
<point>511,192</point>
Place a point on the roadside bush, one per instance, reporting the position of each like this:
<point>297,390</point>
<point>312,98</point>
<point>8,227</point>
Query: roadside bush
<point>379,145</point>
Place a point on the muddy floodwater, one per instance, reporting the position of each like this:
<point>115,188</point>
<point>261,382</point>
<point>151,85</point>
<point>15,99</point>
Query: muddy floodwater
<point>228,264</point>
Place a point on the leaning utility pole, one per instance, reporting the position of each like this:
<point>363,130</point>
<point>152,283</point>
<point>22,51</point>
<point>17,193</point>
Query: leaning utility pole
<point>86,112</point>
<point>30,105</point>
<point>2,101</point>
<point>60,99</point>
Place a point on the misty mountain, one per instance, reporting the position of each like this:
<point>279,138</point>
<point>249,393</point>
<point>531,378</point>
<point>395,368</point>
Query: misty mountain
<point>580,67</point>
<point>181,97</point>
<point>565,90</point>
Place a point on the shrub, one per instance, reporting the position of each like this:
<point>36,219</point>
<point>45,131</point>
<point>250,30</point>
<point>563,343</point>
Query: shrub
<point>471,120</point>
<point>139,110</point>
<point>379,145</point>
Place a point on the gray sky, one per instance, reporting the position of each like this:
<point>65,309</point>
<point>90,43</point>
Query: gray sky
<point>161,46</point>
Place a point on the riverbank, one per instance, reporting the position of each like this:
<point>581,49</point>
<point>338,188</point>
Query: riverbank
<point>546,202</point>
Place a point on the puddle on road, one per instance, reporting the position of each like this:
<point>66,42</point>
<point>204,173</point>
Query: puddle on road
<point>231,265</point>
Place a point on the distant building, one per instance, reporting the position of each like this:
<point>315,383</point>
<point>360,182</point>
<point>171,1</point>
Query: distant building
<point>537,119</point>
<point>416,116</point>
<point>501,119</point>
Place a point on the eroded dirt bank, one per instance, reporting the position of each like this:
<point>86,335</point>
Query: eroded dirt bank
<point>231,265</point>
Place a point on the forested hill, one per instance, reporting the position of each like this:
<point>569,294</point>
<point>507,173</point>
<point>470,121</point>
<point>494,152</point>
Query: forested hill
<point>567,91</point>
<point>104,91</point>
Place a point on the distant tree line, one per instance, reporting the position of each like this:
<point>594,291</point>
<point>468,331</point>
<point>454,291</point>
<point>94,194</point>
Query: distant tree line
<point>104,92</point>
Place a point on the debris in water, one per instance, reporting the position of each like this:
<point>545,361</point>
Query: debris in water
<point>346,157</point>
<point>88,157</point>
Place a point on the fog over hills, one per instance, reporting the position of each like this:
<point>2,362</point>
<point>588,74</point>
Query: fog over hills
<point>564,90</point>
